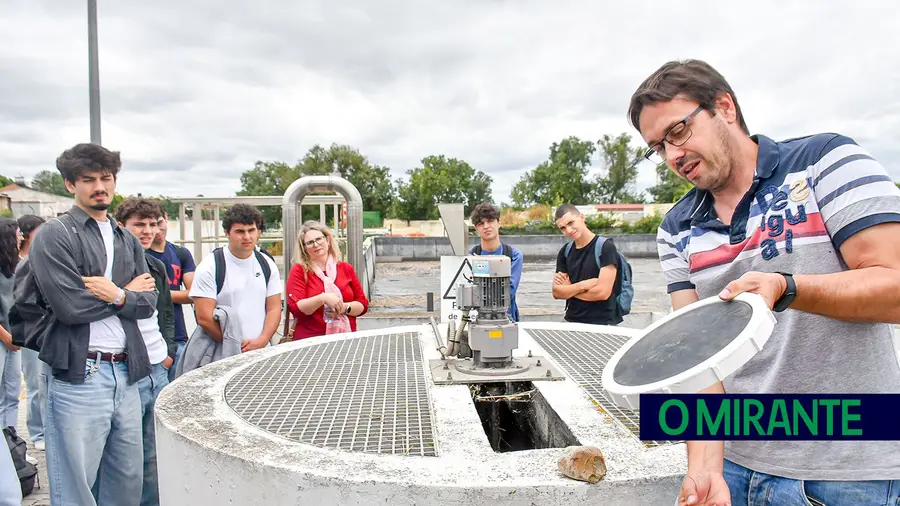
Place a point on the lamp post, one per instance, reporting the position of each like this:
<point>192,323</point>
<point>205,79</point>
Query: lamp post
<point>93,72</point>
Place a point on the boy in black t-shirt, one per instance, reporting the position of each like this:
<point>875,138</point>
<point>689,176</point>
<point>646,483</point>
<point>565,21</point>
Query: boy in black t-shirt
<point>587,279</point>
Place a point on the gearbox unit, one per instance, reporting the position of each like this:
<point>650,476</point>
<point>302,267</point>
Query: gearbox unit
<point>480,348</point>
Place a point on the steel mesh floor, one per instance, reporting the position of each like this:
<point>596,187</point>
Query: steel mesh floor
<point>367,394</point>
<point>583,355</point>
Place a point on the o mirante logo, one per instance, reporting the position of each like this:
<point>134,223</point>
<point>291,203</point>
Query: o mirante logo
<point>769,416</point>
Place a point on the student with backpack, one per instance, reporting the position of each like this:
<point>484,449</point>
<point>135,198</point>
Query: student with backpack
<point>486,220</point>
<point>591,275</point>
<point>238,276</point>
<point>92,344</point>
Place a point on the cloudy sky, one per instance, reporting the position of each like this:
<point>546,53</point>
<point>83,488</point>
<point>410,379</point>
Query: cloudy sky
<point>194,92</point>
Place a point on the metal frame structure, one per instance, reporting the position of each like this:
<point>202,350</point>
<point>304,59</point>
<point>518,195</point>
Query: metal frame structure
<point>216,203</point>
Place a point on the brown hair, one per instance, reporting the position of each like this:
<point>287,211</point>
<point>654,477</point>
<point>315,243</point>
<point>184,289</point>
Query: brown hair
<point>301,256</point>
<point>86,157</point>
<point>485,211</point>
<point>141,208</point>
<point>694,79</point>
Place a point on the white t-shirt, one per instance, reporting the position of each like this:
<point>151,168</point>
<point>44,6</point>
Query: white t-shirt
<point>153,338</point>
<point>244,290</point>
<point>107,334</point>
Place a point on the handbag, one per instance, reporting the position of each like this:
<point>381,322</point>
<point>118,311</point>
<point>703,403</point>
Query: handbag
<point>287,335</point>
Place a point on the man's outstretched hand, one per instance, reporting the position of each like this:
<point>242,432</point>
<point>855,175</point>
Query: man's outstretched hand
<point>704,489</point>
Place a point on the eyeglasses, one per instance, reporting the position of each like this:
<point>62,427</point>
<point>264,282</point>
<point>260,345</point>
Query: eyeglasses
<point>676,135</point>
<point>315,242</point>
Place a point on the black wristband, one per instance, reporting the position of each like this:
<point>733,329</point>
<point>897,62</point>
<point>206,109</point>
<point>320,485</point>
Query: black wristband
<point>790,293</point>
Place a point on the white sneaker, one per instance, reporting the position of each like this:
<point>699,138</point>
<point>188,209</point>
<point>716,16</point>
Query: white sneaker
<point>40,446</point>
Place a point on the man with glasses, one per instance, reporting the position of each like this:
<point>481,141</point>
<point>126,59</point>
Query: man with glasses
<point>812,225</point>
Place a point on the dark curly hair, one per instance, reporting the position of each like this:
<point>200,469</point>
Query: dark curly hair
<point>484,211</point>
<point>28,224</point>
<point>138,207</point>
<point>242,214</point>
<point>86,157</point>
<point>9,246</point>
<point>694,79</point>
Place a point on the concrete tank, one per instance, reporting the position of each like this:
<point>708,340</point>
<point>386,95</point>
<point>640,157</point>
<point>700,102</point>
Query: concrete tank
<point>357,419</point>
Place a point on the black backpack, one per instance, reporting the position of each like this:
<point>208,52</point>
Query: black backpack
<point>26,470</point>
<point>507,250</point>
<point>30,316</point>
<point>219,255</point>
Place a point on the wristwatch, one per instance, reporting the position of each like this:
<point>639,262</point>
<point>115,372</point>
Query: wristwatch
<point>790,293</point>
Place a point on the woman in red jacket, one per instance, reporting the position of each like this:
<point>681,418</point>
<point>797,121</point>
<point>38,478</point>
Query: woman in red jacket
<point>324,295</point>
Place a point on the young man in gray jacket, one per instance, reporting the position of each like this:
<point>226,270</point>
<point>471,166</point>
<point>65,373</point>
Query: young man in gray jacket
<point>93,345</point>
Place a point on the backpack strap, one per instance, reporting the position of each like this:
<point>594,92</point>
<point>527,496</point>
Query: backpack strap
<point>477,249</point>
<point>219,256</point>
<point>568,248</point>
<point>181,252</point>
<point>598,248</point>
<point>266,268</point>
<point>508,251</point>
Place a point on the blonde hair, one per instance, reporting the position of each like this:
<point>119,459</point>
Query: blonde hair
<point>301,255</point>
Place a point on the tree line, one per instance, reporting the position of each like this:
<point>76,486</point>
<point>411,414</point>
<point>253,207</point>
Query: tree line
<point>564,177</point>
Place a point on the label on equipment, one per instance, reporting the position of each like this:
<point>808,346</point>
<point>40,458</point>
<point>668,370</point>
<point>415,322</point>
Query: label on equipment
<point>495,334</point>
<point>481,268</point>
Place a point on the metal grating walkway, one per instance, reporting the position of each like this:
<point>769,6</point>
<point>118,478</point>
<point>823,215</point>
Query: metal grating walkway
<point>367,394</point>
<point>583,355</point>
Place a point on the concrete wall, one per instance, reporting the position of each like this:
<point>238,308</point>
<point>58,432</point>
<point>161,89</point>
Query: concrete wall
<point>396,249</point>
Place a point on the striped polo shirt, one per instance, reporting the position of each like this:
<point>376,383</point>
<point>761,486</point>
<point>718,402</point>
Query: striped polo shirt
<point>808,196</point>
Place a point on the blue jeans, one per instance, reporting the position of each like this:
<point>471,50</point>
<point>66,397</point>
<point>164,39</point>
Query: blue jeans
<point>93,435</point>
<point>10,488</point>
<point>32,368</point>
<point>10,386</point>
<point>758,489</point>
<point>181,345</point>
<point>149,388</point>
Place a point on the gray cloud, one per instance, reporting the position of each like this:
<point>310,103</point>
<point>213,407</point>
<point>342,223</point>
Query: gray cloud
<point>195,92</point>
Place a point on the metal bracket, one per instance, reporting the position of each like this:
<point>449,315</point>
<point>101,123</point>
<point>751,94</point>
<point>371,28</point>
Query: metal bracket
<point>456,371</point>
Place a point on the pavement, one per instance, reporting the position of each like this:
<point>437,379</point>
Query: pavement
<point>402,288</point>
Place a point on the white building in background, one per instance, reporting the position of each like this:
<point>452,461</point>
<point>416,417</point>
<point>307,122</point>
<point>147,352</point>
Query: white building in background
<point>25,200</point>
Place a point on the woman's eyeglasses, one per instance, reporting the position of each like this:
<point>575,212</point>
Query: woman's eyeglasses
<point>315,242</point>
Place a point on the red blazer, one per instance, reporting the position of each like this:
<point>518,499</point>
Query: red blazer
<point>301,287</point>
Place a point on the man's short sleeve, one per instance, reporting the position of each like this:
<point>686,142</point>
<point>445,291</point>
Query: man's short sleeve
<point>205,280</point>
<point>609,255</point>
<point>672,248</point>
<point>274,287</point>
<point>852,189</point>
<point>561,261</point>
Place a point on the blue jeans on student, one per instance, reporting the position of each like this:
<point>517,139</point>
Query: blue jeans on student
<point>178,353</point>
<point>10,386</point>
<point>10,488</point>
<point>32,368</point>
<point>758,489</point>
<point>149,388</point>
<point>93,434</point>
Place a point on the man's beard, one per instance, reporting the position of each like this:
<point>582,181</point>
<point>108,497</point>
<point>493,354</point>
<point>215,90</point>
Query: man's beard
<point>99,207</point>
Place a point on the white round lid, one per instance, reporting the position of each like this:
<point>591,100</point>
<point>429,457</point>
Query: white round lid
<point>689,349</point>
